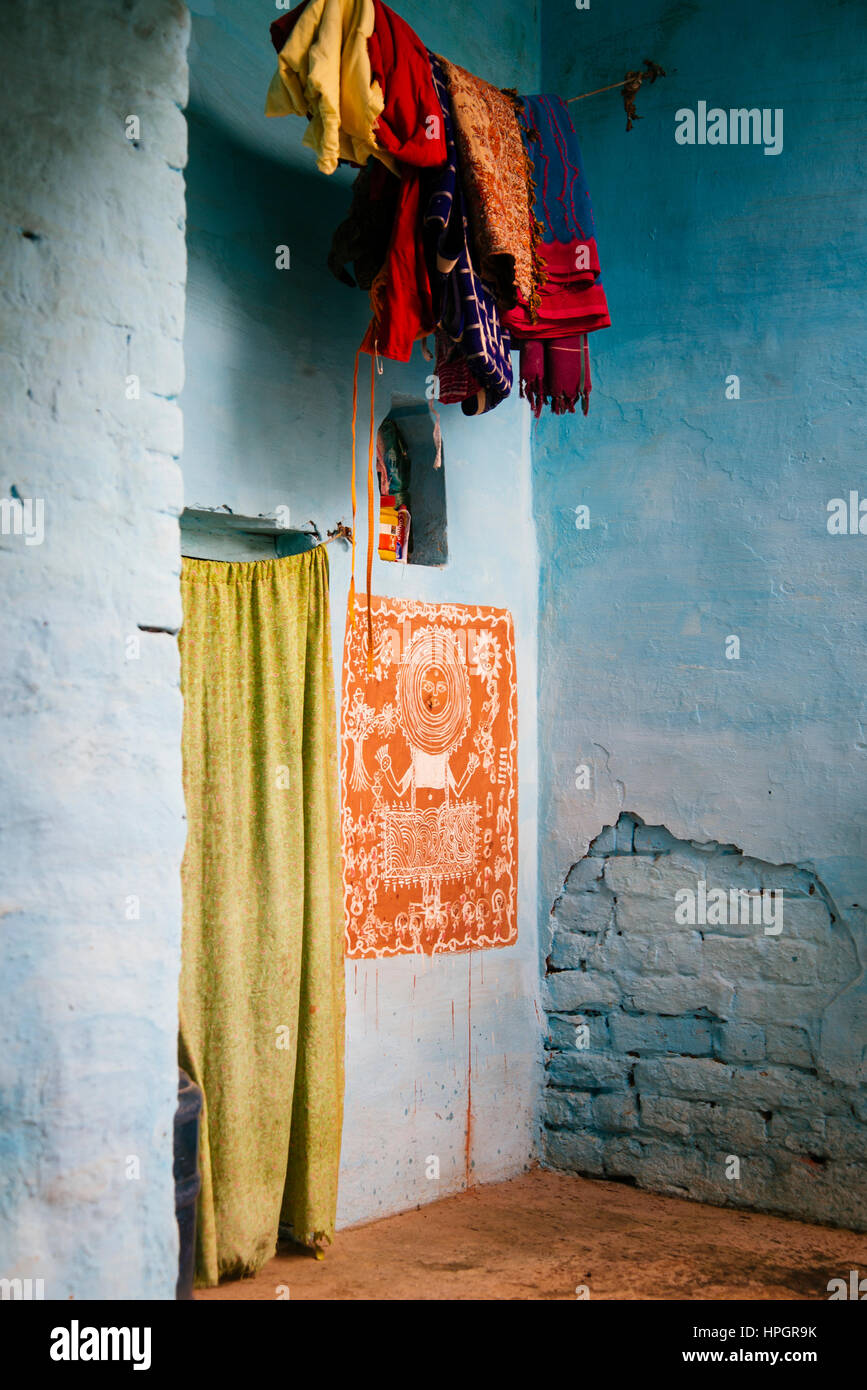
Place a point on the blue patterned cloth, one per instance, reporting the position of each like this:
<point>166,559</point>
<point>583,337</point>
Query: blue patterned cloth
<point>472,344</point>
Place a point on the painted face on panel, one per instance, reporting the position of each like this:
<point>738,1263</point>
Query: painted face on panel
<point>434,688</point>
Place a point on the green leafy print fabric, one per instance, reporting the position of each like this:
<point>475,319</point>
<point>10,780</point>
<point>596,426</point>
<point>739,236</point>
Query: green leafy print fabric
<point>262,982</point>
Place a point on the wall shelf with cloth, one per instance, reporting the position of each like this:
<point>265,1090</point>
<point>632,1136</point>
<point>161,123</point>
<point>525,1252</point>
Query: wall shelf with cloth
<point>215,533</point>
<point>426,479</point>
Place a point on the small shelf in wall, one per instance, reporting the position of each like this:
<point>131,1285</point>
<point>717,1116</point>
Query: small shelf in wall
<point>212,533</point>
<point>426,482</point>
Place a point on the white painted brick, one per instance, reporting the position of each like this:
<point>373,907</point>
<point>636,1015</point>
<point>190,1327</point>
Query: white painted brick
<point>582,1071</point>
<point>681,995</point>
<point>647,878</point>
<point>570,949</point>
<point>847,1138</point>
<point>736,1128</point>
<point>807,918</point>
<point>761,1001</point>
<point>615,1111</point>
<point>586,873</point>
<point>571,990</point>
<point>636,954</point>
<point>569,1109</point>
<point>733,959</point>
<point>789,1045</point>
<point>581,1153</point>
<point>799,1133</point>
<point>792,963</point>
<point>584,912</point>
<point>740,1042</point>
<point>695,1078</point>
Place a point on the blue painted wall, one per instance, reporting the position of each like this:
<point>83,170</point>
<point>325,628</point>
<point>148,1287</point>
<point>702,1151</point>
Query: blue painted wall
<point>267,422</point>
<point>708,515</point>
<point>90,764</point>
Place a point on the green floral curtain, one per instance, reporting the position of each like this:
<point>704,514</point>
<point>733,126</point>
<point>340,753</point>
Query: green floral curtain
<point>261,989</point>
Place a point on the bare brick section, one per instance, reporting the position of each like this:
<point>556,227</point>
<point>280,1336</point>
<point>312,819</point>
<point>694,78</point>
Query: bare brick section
<point>703,1038</point>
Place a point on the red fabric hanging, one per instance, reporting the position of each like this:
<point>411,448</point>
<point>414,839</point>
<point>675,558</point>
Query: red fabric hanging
<point>400,296</point>
<point>410,127</point>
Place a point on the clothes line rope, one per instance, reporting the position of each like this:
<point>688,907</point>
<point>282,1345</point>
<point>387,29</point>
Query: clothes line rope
<point>594,93</point>
<point>629,87</point>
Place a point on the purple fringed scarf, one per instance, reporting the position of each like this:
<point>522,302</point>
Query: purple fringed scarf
<point>556,370</point>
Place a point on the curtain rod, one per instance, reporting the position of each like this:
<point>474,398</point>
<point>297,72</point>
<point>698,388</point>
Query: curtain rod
<point>197,519</point>
<point>629,86</point>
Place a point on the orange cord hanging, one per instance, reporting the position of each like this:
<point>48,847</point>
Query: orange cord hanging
<point>371,498</point>
<point>354,495</point>
<point>371,518</point>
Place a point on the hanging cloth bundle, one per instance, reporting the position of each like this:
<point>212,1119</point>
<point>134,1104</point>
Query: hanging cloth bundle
<point>555,358</point>
<point>490,220</point>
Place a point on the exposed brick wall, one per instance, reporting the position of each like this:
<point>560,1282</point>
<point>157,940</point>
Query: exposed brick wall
<point>93,269</point>
<point>675,1047</point>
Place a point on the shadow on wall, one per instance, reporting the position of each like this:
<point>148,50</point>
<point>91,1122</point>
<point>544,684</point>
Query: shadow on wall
<point>688,987</point>
<point>269,347</point>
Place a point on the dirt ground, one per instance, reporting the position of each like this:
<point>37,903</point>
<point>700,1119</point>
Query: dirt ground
<point>543,1234</point>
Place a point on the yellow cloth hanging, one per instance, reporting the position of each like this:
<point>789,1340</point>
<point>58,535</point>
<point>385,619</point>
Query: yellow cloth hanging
<point>323,71</point>
<point>262,978</point>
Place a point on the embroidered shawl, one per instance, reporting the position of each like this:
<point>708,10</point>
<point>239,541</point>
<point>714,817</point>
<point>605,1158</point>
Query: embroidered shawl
<point>473,348</point>
<point>494,173</point>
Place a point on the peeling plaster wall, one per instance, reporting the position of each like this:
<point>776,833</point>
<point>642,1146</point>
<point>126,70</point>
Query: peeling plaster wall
<point>267,409</point>
<point>685,1028</point>
<point>708,515</point>
<point>93,260</point>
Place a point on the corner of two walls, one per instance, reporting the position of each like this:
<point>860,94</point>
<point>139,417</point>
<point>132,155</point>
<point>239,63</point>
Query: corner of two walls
<point>443,1053</point>
<point>701,640</point>
<point>92,319</point>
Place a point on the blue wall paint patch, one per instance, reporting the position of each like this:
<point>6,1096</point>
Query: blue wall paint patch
<point>728,410</point>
